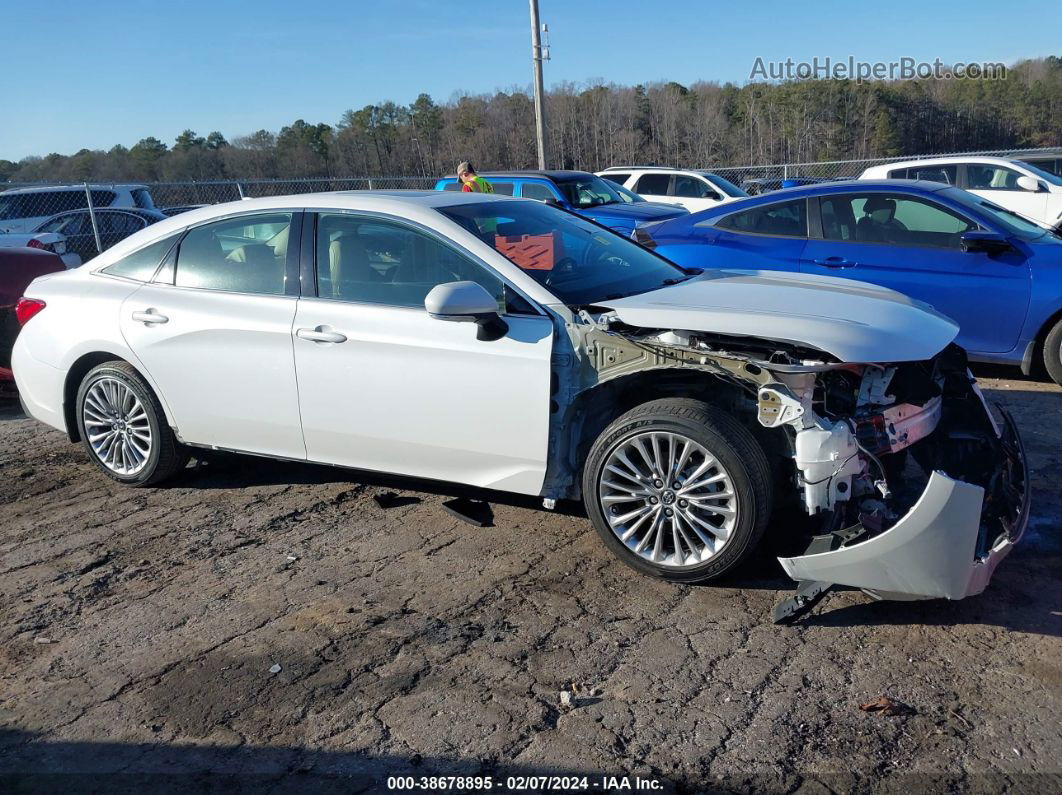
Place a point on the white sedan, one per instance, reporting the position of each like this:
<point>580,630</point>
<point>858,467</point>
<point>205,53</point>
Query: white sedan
<point>506,344</point>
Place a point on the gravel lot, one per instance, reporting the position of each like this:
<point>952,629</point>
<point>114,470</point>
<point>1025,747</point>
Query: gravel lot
<point>141,633</point>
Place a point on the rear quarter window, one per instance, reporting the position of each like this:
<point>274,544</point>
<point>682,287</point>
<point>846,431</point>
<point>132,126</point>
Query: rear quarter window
<point>142,264</point>
<point>785,219</point>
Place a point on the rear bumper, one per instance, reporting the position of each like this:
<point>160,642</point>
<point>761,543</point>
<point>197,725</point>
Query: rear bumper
<point>943,547</point>
<point>40,388</point>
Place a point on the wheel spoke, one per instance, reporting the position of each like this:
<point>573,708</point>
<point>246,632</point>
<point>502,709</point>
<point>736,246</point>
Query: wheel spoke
<point>117,426</point>
<point>661,485</point>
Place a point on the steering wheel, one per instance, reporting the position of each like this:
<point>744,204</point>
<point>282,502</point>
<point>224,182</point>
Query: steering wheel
<point>561,269</point>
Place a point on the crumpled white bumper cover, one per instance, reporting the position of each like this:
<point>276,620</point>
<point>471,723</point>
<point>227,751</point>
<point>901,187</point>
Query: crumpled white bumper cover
<point>932,551</point>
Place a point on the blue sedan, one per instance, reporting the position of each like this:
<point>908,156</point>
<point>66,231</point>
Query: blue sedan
<point>997,274</point>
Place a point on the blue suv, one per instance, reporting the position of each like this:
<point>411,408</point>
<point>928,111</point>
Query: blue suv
<point>577,191</point>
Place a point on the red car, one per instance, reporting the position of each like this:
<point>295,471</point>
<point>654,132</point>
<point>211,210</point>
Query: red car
<point>18,267</point>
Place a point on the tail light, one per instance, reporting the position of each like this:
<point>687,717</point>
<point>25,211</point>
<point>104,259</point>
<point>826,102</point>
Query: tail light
<point>34,243</point>
<point>27,308</point>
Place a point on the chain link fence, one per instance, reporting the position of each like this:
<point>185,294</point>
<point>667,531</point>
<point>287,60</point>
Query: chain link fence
<point>77,221</point>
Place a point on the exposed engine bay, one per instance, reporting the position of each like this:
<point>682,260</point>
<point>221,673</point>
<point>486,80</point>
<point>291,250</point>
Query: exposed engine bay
<point>862,440</point>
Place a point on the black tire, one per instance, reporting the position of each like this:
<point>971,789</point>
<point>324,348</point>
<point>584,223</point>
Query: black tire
<point>735,448</point>
<point>1053,353</point>
<point>166,455</point>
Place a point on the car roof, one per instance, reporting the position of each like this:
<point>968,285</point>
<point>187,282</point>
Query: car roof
<point>401,203</point>
<point>557,175</point>
<point>148,211</point>
<point>915,186</point>
<point>50,188</point>
<point>946,160</point>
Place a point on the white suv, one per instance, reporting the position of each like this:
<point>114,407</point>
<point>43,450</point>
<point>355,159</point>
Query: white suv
<point>1012,184</point>
<point>23,209</point>
<point>694,190</point>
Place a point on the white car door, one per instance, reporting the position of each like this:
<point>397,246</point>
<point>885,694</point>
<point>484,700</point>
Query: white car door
<point>213,331</point>
<point>999,185</point>
<point>655,187</point>
<point>383,386</point>
<point>695,193</point>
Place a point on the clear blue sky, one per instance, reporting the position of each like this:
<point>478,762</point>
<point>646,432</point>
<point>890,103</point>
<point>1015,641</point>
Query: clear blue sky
<point>93,74</point>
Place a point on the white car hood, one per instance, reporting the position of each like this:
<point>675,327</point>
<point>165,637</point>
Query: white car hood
<point>853,321</point>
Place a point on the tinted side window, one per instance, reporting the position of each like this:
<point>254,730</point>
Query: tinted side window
<point>70,224</point>
<point>453,186</point>
<point>100,198</point>
<point>982,177</point>
<point>619,179</point>
<point>536,190</point>
<point>787,219</point>
<point>891,219</point>
<point>654,184</point>
<point>945,174</point>
<point>690,187</point>
<point>505,188</point>
<point>111,223</point>
<point>243,255</point>
<point>373,261</point>
<point>142,199</point>
<point>141,265</point>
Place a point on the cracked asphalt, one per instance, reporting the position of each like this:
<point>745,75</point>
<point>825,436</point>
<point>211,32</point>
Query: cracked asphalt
<point>270,626</point>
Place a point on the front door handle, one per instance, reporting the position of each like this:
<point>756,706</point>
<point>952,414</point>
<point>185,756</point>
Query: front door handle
<point>835,262</point>
<point>150,317</point>
<point>320,334</point>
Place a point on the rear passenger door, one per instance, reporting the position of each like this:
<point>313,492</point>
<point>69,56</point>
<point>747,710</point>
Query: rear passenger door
<point>693,193</point>
<point>213,332</point>
<point>115,226</point>
<point>654,187</point>
<point>384,386</point>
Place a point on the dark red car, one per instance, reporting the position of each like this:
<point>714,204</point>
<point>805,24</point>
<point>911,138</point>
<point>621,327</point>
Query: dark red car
<point>18,267</point>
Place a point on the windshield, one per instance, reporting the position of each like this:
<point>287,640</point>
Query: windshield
<point>1046,176</point>
<point>725,185</point>
<point>575,259</point>
<point>1011,222</point>
<point>589,191</point>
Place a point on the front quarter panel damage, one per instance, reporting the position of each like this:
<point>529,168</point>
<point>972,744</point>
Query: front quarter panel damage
<point>915,490</point>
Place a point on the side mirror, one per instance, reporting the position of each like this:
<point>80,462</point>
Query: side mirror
<point>1031,184</point>
<point>467,302</point>
<point>977,241</point>
<point>554,203</point>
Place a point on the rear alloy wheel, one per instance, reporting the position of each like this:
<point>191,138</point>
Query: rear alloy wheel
<point>124,428</point>
<point>678,489</point>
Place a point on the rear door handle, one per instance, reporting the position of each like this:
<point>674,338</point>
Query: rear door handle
<point>320,334</point>
<point>150,317</point>
<point>835,262</point>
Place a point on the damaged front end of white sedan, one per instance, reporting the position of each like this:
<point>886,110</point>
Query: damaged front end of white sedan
<point>866,415</point>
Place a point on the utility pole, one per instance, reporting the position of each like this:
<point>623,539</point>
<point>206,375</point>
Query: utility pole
<point>536,60</point>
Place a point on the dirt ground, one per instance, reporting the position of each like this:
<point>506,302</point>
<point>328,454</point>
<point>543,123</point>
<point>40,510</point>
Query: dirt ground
<point>269,625</point>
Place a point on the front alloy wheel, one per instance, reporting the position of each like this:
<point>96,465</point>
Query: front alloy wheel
<point>668,499</point>
<point>678,489</point>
